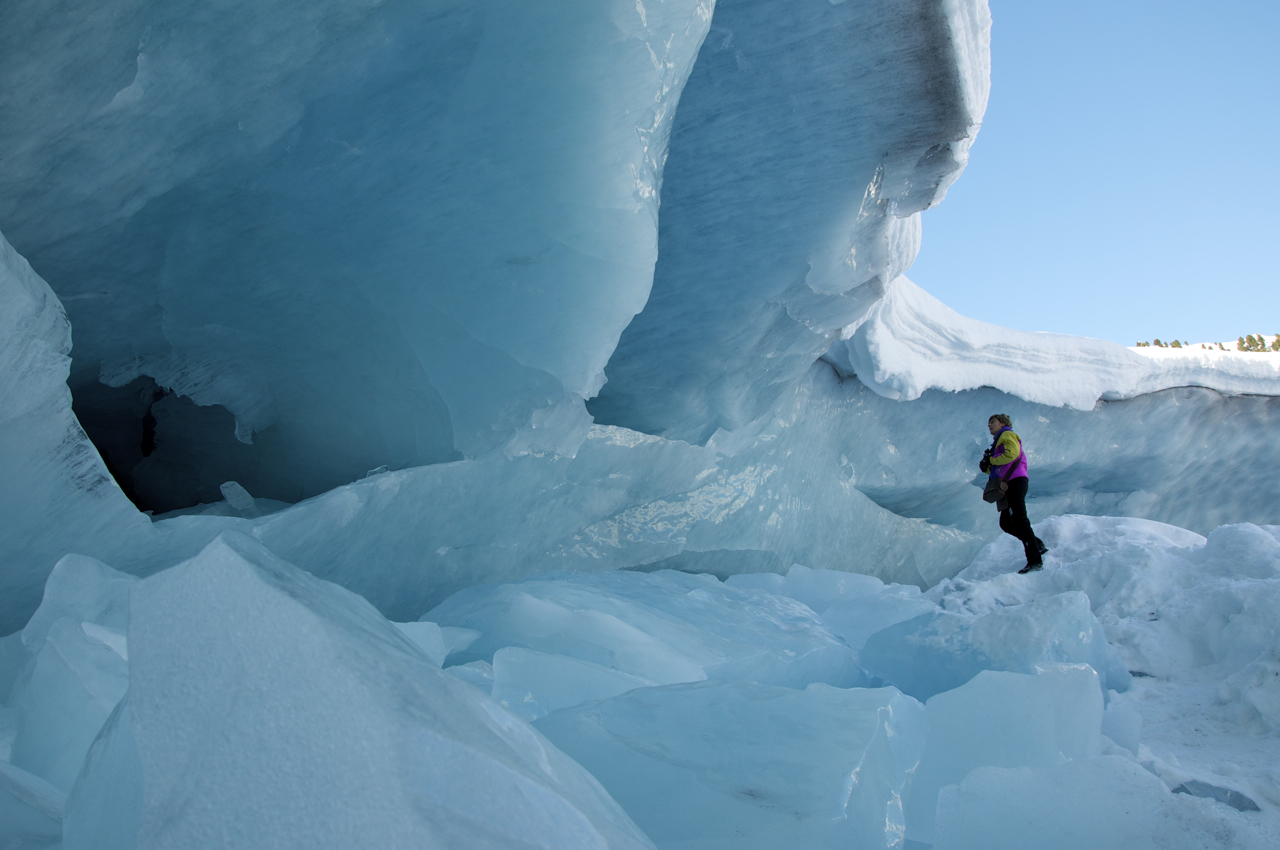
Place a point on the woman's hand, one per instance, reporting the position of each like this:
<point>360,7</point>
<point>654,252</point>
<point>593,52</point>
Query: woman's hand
<point>1004,485</point>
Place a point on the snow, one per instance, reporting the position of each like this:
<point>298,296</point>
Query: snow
<point>910,342</point>
<point>343,280</point>
<point>1194,617</point>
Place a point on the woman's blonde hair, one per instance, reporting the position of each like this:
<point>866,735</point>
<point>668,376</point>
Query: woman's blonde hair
<point>1003,419</point>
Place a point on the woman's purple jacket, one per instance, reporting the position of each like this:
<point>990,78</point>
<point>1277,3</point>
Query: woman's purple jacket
<point>1003,447</point>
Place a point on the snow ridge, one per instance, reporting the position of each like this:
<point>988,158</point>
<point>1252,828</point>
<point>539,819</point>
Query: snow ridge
<point>910,342</point>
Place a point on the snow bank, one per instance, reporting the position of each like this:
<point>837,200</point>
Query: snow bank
<point>910,342</point>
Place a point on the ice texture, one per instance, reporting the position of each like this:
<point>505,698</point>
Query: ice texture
<point>377,233</point>
<point>244,664</point>
<point>626,629</point>
<point>727,764</point>
<point>939,651</point>
<point>910,342</point>
<point>30,810</point>
<point>261,691</point>
<point>820,103</point>
<point>1107,803</point>
<point>1171,602</point>
<point>1006,720</point>
<point>835,477</point>
<point>343,242</point>
<point>1194,618</point>
<point>72,669</point>
<point>817,589</point>
<point>56,496</point>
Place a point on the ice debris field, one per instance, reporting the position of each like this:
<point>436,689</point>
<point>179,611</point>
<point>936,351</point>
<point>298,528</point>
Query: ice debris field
<point>509,425</point>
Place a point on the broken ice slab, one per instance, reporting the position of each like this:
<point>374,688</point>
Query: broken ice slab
<point>533,684</point>
<point>73,668</point>
<point>938,651</point>
<point>1003,719</point>
<point>662,627</point>
<point>298,716</point>
<point>730,764</point>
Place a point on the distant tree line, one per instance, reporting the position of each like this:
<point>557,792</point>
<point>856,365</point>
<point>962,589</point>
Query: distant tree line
<point>1257,343</point>
<point>1158,344</point>
<point>1249,342</point>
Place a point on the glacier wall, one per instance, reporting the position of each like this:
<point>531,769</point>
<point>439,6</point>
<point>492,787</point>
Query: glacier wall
<point>808,139</point>
<point>835,475</point>
<point>377,233</point>
<point>297,243</point>
<point>55,497</point>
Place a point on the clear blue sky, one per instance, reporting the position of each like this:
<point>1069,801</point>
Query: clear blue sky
<point>1125,182</point>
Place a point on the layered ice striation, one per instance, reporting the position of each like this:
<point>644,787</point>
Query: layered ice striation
<point>565,638</point>
<point>354,234</point>
<point>55,495</point>
<point>809,138</point>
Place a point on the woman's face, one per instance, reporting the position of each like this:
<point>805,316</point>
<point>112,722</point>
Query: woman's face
<point>994,426</point>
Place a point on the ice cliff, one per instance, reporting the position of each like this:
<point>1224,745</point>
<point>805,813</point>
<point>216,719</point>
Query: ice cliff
<point>373,233</point>
<point>545,449</point>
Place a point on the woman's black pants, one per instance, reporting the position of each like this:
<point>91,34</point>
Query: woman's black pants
<point>1013,519</point>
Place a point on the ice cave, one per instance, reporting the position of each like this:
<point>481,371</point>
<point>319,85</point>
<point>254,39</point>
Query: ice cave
<point>493,424</point>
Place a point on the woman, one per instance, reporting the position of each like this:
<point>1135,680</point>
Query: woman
<point>1006,461</point>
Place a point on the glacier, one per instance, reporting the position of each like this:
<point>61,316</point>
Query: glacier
<point>507,425</point>
<point>333,172</point>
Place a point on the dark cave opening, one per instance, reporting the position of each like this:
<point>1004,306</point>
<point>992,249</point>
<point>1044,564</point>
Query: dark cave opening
<point>166,452</point>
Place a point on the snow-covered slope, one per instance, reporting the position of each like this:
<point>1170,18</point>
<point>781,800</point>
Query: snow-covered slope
<point>910,342</point>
